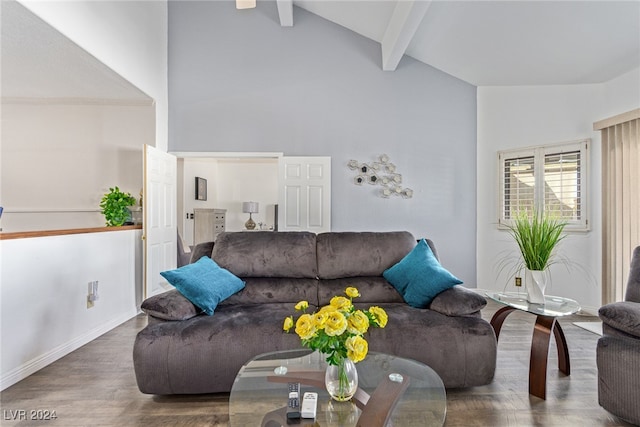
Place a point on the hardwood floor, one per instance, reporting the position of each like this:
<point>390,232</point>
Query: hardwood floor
<point>95,386</point>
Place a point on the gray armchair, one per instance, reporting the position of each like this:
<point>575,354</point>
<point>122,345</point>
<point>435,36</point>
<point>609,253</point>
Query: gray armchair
<point>188,255</point>
<point>618,351</point>
<point>184,252</point>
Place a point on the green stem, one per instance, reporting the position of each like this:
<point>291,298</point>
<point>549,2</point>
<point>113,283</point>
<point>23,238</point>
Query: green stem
<point>343,381</point>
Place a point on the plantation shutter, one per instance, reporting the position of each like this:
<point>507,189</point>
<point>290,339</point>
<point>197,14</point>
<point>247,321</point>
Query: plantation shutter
<point>562,185</point>
<point>550,178</point>
<point>519,185</point>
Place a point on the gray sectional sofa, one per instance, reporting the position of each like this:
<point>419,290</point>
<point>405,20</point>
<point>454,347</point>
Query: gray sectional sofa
<point>182,351</point>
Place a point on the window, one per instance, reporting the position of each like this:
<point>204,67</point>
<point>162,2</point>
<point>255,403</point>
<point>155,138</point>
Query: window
<point>550,178</point>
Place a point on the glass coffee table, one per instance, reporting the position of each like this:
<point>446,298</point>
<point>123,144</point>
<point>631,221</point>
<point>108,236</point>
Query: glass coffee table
<point>546,323</point>
<point>412,391</point>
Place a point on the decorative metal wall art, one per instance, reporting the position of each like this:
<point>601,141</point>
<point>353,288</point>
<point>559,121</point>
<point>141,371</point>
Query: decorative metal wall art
<point>381,172</point>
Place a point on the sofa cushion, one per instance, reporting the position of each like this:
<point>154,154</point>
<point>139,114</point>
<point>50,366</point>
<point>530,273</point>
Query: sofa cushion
<point>458,301</point>
<point>419,277</point>
<point>204,283</point>
<point>623,316</point>
<point>462,350</point>
<point>269,290</point>
<point>204,354</point>
<point>170,305</point>
<point>373,290</point>
<point>353,254</point>
<point>267,253</point>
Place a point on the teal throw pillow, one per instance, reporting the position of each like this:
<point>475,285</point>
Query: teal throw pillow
<point>419,277</point>
<point>204,283</point>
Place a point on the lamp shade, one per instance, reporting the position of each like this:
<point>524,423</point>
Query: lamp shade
<point>250,207</point>
<point>245,4</point>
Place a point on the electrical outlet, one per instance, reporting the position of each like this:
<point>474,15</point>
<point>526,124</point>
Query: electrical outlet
<point>92,295</point>
<point>518,282</point>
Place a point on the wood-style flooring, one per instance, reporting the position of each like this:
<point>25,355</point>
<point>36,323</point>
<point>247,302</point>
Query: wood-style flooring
<point>95,386</point>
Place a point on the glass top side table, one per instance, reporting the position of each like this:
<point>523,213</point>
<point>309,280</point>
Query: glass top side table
<point>546,323</point>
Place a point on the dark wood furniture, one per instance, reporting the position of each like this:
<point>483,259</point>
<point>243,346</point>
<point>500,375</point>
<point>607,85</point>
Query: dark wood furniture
<point>546,324</point>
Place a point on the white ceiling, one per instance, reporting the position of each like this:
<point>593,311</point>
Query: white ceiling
<point>505,42</point>
<point>39,62</point>
<point>482,42</point>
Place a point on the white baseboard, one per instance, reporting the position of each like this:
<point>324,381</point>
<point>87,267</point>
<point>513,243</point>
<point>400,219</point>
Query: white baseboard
<point>37,363</point>
<point>594,327</point>
<point>589,311</point>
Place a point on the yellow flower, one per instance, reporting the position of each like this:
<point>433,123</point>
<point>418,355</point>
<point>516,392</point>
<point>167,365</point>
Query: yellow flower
<point>320,319</point>
<point>288,323</point>
<point>302,306</point>
<point>352,292</point>
<point>327,309</point>
<point>358,323</point>
<point>336,324</point>
<point>357,348</point>
<point>305,327</point>
<point>380,315</point>
<point>341,303</point>
<point>337,329</point>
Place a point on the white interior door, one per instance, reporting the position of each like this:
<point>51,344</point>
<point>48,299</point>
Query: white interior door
<point>160,223</point>
<point>304,197</point>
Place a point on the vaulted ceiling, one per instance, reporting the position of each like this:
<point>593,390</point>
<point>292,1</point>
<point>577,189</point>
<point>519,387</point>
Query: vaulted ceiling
<point>39,62</point>
<point>496,42</point>
<point>480,42</point>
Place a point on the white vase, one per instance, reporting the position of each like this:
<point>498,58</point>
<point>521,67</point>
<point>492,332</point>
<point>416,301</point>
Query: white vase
<point>535,281</point>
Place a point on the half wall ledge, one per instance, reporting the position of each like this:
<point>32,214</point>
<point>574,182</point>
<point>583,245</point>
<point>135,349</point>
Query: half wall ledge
<point>47,233</point>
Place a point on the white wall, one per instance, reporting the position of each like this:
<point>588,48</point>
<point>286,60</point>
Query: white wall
<point>621,94</point>
<point>512,117</point>
<point>192,168</point>
<point>128,36</point>
<point>43,297</point>
<point>230,182</point>
<point>44,280</point>
<point>63,158</point>
<point>247,181</point>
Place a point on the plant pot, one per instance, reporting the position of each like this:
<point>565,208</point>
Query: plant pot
<point>535,282</point>
<point>135,215</point>
<point>341,380</point>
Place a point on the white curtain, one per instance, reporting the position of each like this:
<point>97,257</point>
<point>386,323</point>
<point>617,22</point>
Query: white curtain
<point>620,200</point>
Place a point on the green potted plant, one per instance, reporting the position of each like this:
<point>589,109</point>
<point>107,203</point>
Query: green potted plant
<point>537,237</point>
<point>115,206</point>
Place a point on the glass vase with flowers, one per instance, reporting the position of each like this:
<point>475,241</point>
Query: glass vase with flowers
<point>337,330</point>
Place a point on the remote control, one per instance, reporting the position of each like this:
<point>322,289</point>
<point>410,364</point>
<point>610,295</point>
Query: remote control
<point>293,403</point>
<point>309,405</point>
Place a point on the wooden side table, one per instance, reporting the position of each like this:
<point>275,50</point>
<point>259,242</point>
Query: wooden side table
<point>546,323</point>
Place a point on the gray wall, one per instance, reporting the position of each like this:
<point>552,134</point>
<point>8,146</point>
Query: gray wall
<point>240,82</point>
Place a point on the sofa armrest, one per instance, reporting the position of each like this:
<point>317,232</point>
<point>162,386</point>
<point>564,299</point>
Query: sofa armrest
<point>458,301</point>
<point>622,316</point>
<point>170,305</point>
<point>200,250</point>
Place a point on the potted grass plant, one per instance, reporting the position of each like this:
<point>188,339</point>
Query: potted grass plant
<point>537,238</point>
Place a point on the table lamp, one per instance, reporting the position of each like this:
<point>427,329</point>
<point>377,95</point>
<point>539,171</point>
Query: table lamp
<point>250,208</point>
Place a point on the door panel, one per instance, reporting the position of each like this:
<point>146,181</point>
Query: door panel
<point>305,194</point>
<point>315,197</point>
<point>160,225</point>
<point>292,208</point>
